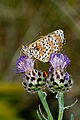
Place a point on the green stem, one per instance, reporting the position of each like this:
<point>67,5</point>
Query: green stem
<point>45,104</point>
<point>61,105</point>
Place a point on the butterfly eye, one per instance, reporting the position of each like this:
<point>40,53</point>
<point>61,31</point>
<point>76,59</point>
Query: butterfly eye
<point>24,47</point>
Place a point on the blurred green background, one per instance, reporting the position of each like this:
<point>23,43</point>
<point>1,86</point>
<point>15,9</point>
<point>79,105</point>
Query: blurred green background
<point>20,21</point>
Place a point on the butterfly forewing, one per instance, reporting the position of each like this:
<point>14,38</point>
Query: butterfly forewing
<point>43,47</point>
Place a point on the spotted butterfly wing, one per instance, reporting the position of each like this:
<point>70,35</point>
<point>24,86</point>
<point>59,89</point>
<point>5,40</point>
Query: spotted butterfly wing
<point>43,47</point>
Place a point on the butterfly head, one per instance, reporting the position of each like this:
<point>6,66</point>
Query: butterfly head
<point>24,49</point>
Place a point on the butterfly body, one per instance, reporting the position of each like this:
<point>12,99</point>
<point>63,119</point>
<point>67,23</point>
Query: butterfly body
<point>42,48</point>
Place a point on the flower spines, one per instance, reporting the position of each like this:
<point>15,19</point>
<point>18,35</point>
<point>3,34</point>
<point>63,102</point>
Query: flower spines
<point>59,80</point>
<point>34,80</point>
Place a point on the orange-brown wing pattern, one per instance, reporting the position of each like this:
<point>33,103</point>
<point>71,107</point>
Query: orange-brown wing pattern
<point>43,47</point>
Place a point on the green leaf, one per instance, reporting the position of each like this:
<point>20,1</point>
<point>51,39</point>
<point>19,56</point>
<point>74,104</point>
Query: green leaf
<point>42,114</point>
<point>39,115</point>
<point>67,107</point>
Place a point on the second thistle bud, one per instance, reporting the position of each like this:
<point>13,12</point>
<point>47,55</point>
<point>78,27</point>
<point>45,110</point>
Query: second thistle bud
<point>59,79</point>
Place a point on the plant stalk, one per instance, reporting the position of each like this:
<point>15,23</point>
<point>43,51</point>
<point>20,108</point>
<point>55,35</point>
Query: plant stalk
<point>61,105</point>
<point>45,104</point>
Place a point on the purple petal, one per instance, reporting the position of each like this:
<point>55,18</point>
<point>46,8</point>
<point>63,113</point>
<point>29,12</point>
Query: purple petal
<point>59,61</point>
<point>24,64</point>
<point>50,69</point>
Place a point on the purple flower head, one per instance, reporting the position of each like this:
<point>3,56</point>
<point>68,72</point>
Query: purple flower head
<point>59,80</point>
<point>59,61</point>
<point>24,64</point>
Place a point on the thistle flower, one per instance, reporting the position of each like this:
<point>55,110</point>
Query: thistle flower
<point>33,79</point>
<point>59,79</point>
<point>24,64</point>
<point>59,61</point>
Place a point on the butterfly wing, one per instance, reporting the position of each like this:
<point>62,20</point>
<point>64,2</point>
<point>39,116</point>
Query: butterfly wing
<point>43,47</point>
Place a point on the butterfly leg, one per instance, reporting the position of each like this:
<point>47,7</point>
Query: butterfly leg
<point>20,52</point>
<point>26,58</point>
<point>37,64</point>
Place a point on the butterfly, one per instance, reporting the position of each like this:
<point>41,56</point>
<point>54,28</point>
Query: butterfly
<point>42,48</point>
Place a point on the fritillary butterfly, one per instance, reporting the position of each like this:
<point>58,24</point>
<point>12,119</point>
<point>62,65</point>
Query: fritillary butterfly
<point>42,48</point>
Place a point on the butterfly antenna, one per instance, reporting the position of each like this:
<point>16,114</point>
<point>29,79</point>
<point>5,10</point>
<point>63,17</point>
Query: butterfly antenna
<point>37,35</point>
<point>20,52</point>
